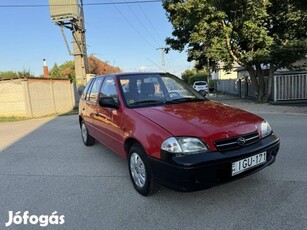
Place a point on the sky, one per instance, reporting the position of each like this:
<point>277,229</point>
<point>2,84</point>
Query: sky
<point>124,35</point>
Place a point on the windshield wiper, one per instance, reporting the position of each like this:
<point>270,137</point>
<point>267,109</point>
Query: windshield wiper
<point>183,99</point>
<point>147,102</point>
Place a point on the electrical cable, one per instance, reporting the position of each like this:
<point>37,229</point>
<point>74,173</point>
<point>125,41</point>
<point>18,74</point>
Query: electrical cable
<point>132,26</point>
<point>150,23</point>
<point>85,4</point>
<point>143,25</point>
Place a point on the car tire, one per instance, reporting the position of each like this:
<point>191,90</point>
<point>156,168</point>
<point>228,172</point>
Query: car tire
<point>140,171</point>
<point>87,139</point>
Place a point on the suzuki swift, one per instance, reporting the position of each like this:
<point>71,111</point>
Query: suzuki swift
<point>172,135</point>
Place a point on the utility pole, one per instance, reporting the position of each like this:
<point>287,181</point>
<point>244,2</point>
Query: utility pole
<point>163,57</point>
<point>80,53</point>
<point>208,78</point>
<point>70,15</point>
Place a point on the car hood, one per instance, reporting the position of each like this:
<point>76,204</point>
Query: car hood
<point>208,120</point>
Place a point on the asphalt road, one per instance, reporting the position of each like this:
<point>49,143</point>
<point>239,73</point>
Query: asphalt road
<point>44,167</point>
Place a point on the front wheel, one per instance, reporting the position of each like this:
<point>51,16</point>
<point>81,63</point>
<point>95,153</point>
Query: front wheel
<point>87,139</point>
<point>140,171</point>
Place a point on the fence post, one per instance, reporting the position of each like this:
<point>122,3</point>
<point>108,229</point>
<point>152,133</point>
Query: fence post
<point>52,95</point>
<point>73,95</point>
<point>28,103</point>
<point>275,88</point>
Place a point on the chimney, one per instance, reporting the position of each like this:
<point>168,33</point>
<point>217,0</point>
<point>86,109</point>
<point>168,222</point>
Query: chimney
<point>46,72</point>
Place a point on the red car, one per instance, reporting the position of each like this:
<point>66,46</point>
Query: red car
<point>171,134</point>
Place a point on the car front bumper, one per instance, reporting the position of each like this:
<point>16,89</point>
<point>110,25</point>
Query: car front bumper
<point>204,170</point>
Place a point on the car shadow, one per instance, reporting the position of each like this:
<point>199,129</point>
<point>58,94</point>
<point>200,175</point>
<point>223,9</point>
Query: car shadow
<point>48,169</point>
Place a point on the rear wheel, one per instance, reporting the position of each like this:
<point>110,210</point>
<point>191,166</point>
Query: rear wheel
<point>140,171</point>
<point>87,139</point>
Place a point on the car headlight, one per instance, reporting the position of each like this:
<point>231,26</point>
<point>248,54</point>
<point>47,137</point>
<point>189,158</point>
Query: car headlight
<point>184,145</point>
<point>266,129</point>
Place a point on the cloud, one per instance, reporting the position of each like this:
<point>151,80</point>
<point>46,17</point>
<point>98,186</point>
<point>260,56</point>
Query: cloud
<point>142,68</point>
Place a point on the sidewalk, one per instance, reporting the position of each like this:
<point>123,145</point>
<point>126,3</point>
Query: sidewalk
<point>253,106</point>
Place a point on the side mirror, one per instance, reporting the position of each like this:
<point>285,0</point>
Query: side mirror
<point>108,102</point>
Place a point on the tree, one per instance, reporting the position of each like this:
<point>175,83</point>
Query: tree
<point>197,77</point>
<point>258,35</point>
<point>55,71</point>
<point>187,74</point>
<point>25,73</point>
<point>66,70</point>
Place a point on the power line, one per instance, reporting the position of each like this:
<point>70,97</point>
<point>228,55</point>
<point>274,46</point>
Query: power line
<point>85,4</point>
<point>132,26</point>
<point>156,64</point>
<point>152,26</point>
<point>143,25</point>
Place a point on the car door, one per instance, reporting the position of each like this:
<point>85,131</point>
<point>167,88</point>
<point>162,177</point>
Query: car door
<point>108,121</point>
<point>89,103</point>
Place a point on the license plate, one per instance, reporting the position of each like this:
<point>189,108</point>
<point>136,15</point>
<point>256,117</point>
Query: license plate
<point>248,163</point>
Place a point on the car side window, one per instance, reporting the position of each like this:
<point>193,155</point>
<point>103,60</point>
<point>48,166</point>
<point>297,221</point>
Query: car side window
<point>86,89</point>
<point>108,89</point>
<point>94,90</point>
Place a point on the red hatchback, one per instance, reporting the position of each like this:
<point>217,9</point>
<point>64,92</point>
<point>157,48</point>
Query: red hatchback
<point>171,134</point>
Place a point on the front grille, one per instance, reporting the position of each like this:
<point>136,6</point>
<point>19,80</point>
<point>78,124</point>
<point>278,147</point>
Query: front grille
<point>237,142</point>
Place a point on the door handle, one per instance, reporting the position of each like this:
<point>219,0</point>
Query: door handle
<point>102,115</point>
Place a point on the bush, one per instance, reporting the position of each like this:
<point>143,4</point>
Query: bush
<point>187,74</point>
<point>19,74</point>
<point>8,74</point>
<point>197,77</point>
<point>212,83</point>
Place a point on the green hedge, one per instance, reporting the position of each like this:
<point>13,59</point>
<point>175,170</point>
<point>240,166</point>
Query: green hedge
<point>197,77</point>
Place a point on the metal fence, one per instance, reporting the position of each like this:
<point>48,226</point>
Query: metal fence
<point>286,86</point>
<point>228,86</point>
<point>238,87</point>
<point>290,86</point>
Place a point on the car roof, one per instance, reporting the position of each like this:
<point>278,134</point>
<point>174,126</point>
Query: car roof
<point>129,73</point>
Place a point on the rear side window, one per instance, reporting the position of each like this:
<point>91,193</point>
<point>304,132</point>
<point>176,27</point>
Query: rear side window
<point>95,90</point>
<point>86,89</point>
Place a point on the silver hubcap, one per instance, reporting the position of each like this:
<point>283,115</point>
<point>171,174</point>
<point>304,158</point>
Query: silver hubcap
<point>137,169</point>
<point>84,132</point>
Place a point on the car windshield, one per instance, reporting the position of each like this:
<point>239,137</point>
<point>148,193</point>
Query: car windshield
<point>140,90</point>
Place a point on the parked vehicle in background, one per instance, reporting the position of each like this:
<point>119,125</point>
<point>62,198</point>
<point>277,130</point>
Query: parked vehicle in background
<point>201,87</point>
<point>171,134</point>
